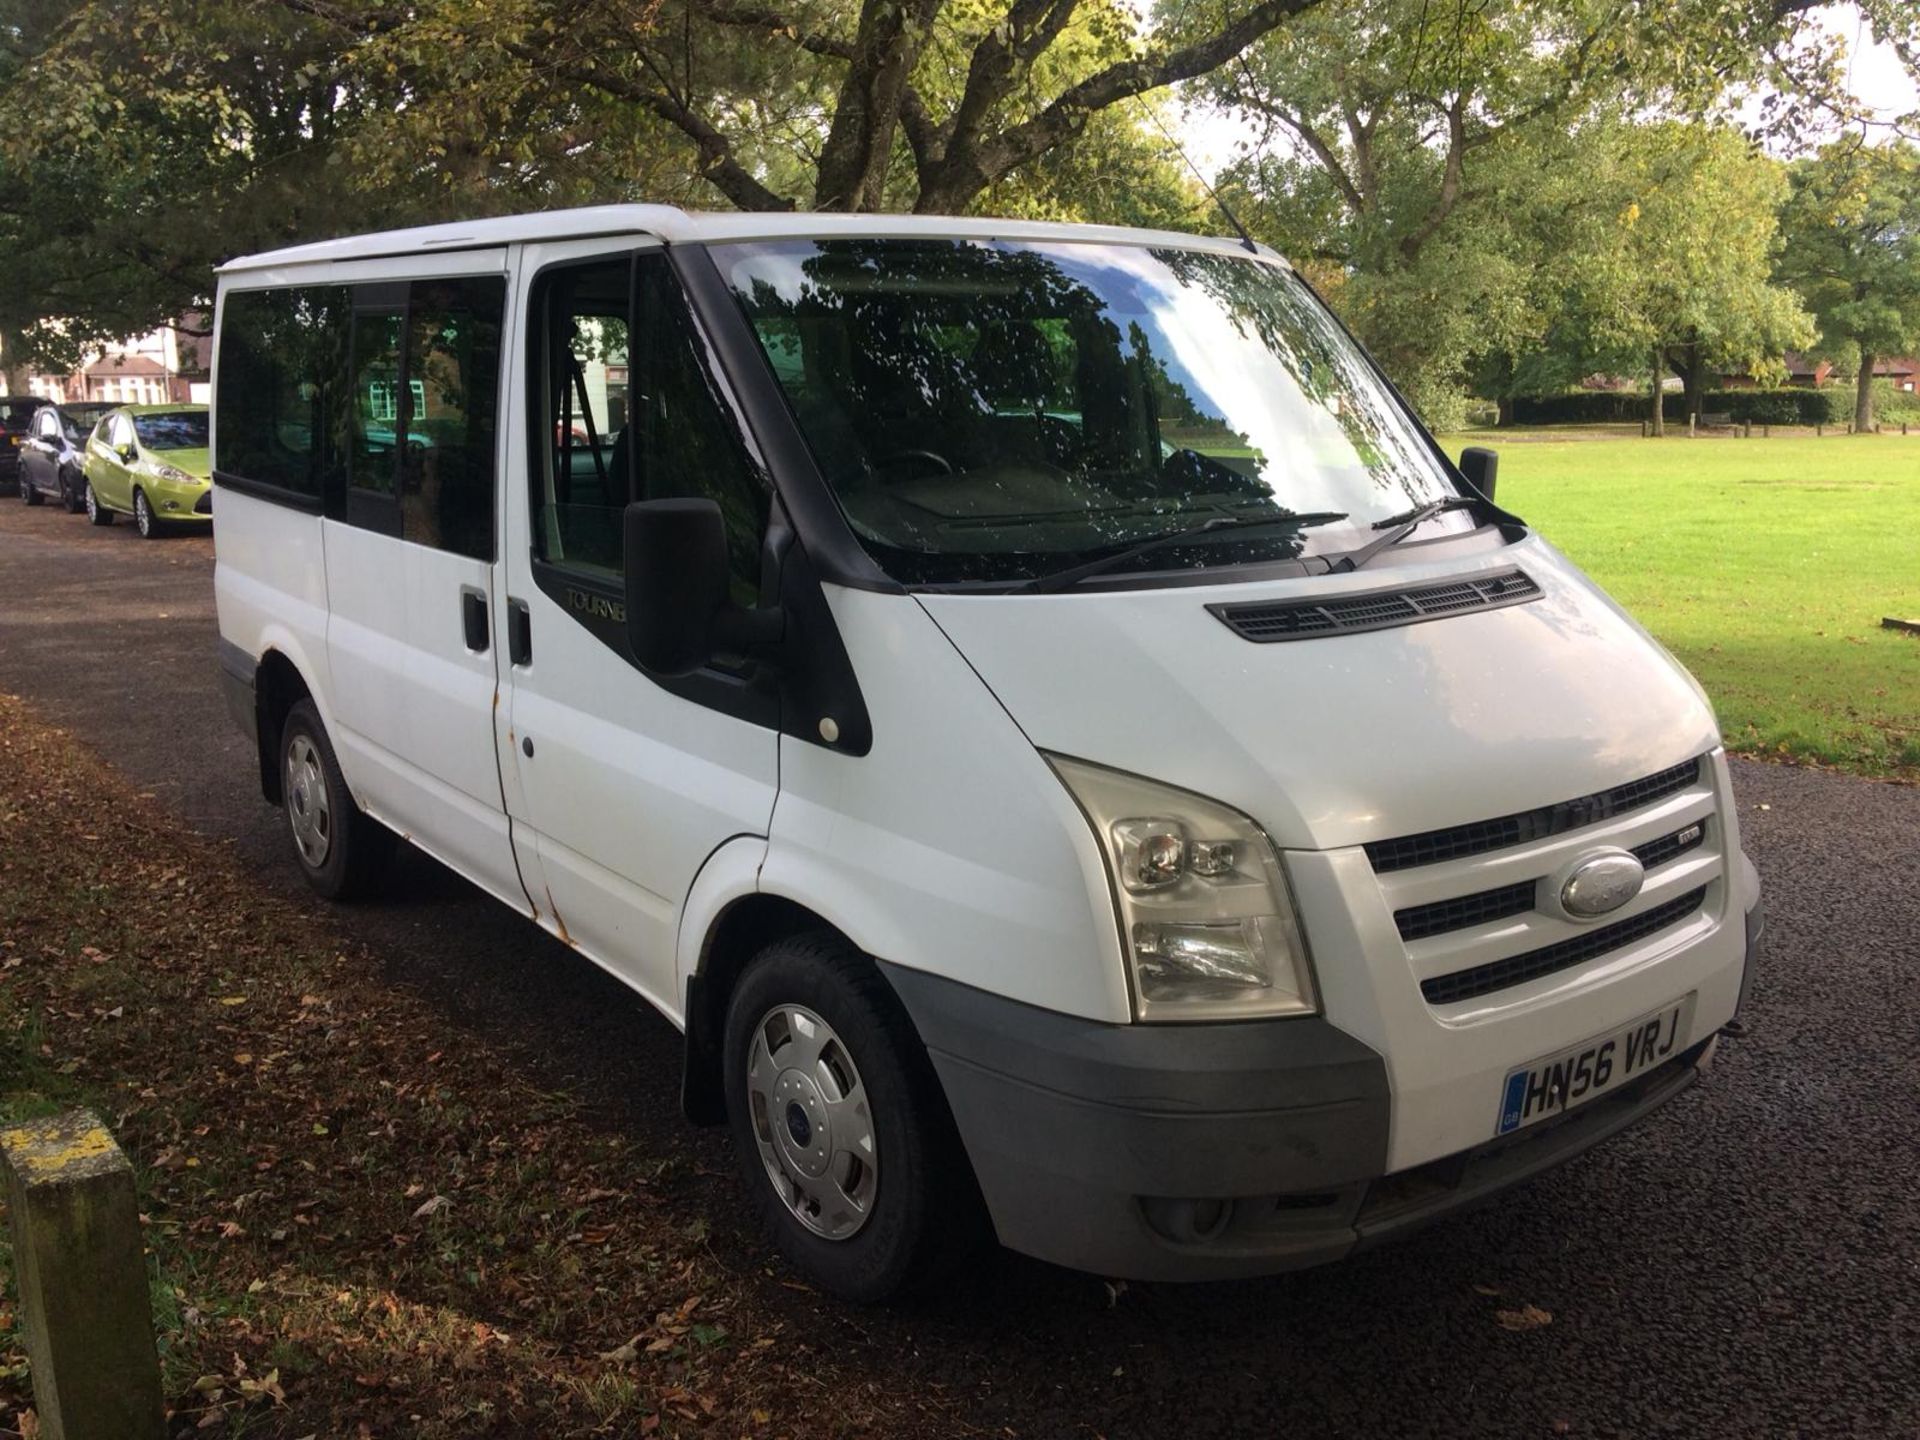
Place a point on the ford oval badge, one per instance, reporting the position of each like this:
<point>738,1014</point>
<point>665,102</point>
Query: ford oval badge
<point>1601,884</point>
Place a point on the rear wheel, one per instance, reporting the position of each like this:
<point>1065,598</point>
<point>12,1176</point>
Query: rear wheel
<point>342,851</point>
<point>97,513</point>
<point>842,1133</point>
<point>144,520</point>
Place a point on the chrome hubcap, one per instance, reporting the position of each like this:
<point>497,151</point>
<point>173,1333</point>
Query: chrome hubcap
<point>307,808</point>
<point>90,503</point>
<point>811,1122</point>
<point>142,515</point>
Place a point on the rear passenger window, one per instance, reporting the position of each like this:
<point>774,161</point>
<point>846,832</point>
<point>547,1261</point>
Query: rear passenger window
<point>377,402</point>
<point>635,417</point>
<point>282,396</point>
<point>453,387</point>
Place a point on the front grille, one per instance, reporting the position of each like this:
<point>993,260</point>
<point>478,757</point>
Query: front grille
<point>1267,621</point>
<point>1419,921</point>
<point>1518,969</point>
<point>1658,852</point>
<point>1483,835</point>
<point>204,505</point>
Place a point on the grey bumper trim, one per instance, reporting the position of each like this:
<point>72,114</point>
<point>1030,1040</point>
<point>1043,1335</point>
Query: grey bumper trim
<point>1069,1123</point>
<point>236,682</point>
<point>1086,1138</point>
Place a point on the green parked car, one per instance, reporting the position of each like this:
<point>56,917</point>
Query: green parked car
<point>150,462</point>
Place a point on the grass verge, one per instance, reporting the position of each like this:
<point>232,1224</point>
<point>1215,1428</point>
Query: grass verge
<point>357,1223</point>
<point>1765,565</point>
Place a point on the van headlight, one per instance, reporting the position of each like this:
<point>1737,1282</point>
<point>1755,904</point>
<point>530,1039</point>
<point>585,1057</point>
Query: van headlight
<point>1206,918</point>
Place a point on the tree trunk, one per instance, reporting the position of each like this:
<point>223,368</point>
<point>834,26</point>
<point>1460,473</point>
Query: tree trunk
<point>1505,402</point>
<point>1658,417</point>
<point>1693,377</point>
<point>1863,398</point>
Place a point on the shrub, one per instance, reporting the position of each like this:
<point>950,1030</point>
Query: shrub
<point>1830,406</point>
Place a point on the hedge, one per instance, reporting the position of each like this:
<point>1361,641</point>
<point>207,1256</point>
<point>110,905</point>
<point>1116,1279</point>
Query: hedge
<point>1832,405</point>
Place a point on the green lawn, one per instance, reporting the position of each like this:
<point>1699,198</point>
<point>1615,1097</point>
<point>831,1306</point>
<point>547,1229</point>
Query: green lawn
<point>1765,565</point>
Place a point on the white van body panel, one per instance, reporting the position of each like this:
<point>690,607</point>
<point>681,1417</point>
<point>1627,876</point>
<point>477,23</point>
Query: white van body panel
<point>951,848</point>
<point>1332,741</point>
<point>414,713</point>
<point>730,874</point>
<point>270,587</point>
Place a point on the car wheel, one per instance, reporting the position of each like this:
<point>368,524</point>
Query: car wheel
<point>29,492</point>
<point>843,1136</point>
<point>342,851</point>
<point>69,497</point>
<point>96,512</point>
<point>144,520</point>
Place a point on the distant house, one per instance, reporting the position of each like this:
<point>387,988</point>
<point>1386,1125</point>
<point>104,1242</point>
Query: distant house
<point>166,366</point>
<point>1902,371</point>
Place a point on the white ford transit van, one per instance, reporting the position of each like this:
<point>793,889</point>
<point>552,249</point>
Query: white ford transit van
<point>1028,701</point>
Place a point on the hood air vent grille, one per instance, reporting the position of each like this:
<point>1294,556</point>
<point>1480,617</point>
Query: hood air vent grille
<point>1269,620</point>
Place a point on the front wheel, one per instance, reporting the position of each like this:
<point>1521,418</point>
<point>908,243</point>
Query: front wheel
<point>69,497</point>
<point>97,513</point>
<point>29,492</point>
<point>342,851</point>
<point>144,520</point>
<point>840,1127</point>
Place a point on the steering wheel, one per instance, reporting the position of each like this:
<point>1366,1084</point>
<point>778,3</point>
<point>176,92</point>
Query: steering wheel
<point>885,461</point>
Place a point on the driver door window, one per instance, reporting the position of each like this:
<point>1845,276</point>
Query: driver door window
<point>630,410</point>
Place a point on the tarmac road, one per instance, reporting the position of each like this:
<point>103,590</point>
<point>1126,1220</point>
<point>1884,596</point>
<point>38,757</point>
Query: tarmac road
<point>1745,1263</point>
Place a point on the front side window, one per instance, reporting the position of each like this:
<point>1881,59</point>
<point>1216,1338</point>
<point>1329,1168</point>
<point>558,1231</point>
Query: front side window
<point>630,410</point>
<point>172,430</point>
<point>993,411</point>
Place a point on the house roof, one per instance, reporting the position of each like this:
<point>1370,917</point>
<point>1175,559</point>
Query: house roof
<point>674,225</point>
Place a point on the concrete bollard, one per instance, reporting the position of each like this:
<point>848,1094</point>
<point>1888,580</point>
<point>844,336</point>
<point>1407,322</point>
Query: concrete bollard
<point>82,1277</point>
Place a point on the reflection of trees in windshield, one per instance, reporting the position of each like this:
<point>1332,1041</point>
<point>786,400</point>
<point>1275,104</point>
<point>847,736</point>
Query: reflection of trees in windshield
<point>995,410</point>
<point>1276,310</point>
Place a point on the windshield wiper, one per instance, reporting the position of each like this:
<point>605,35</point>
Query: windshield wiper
<point>1074,574</point>
<point>1398,528</point>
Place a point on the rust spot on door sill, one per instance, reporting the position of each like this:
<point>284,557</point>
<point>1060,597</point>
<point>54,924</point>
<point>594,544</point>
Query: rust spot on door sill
<point>559,924</point>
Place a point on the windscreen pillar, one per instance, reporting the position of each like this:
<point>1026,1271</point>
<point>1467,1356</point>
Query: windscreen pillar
<point>82,1277</point>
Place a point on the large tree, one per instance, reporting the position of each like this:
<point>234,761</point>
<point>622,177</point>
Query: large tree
<point>1409,141</point>
<point>1853,251</point>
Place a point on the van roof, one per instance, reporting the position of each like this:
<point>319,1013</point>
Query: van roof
<point>674,225</point>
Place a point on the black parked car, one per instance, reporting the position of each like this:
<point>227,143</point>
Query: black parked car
<point>16,416</point>
<point>53,450</point>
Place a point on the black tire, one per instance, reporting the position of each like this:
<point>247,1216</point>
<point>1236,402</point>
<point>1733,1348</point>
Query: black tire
<point>359,848</point>
<point>29,491</point>
<point>97,513</point>
<point>144,520</point>
<point>926,1217</point>
<point>70,497</point>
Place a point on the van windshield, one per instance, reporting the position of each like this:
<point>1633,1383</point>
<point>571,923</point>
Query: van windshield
<point>993,411</point>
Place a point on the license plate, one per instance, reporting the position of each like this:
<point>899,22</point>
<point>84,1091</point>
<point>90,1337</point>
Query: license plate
<point>1556,1084</point>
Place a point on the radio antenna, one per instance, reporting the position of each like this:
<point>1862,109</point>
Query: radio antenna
<point>1205,184</point>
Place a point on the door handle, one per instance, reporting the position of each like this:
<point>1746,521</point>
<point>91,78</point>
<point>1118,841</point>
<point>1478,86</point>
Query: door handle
<point>473,617</point>
<point>519,633</point>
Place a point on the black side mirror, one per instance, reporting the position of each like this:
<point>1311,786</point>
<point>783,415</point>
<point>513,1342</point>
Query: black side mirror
<point>678,613</point>
<point>1481,466</point>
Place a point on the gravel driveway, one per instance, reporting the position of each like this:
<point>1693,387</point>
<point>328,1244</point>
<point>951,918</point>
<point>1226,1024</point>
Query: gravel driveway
<point>1745,1263</point>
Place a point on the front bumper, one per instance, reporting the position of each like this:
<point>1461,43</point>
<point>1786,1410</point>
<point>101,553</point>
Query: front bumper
<point>180,502</point>
<point>1211,1152</point>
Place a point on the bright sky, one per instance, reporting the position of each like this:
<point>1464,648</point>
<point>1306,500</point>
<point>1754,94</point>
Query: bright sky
<point>1880,82</point>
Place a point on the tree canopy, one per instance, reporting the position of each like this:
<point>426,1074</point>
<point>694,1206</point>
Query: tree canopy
<point>1853,250</point>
